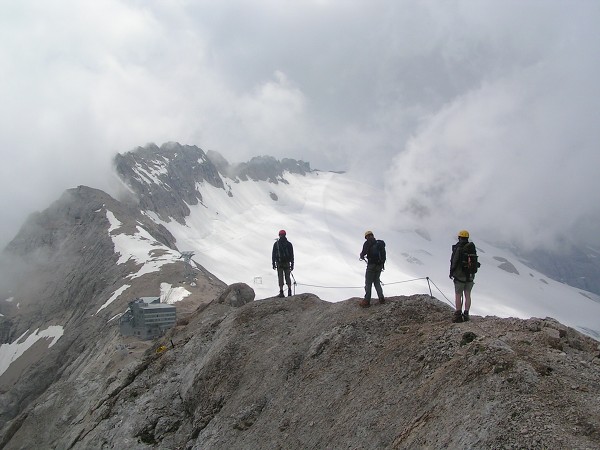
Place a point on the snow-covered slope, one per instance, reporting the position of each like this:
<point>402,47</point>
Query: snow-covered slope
<point>325,216</point>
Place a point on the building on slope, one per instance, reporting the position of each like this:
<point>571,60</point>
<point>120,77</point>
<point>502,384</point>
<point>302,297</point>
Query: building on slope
<point>147,318</point>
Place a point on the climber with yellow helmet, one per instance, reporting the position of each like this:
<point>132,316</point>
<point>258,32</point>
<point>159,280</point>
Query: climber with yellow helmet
<point>463,266</point>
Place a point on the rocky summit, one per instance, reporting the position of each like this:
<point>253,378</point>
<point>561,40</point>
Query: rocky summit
<point>299,373</point>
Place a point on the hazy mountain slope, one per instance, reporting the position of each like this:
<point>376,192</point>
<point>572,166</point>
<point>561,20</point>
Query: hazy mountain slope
<point>165,179</point>
<point>63,272</point>
<point>574,265</point>
<point>303,373</point>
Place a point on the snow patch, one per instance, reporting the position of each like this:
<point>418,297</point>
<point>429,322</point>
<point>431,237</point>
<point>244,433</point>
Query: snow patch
<point>172,295</point>
<point>114,222</point>
<point>140,247</point>
<point>114,297</point>
<point>11,352</point>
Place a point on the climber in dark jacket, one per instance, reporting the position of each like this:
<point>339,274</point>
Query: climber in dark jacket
<point>283,260</point>
<point>373,272</point>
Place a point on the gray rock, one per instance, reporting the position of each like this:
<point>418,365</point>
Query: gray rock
<point>312,374</point>
<point>236,295</point>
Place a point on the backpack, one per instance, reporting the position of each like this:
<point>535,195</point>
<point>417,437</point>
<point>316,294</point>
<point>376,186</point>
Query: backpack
<point>283,253</point>
<point>376,253</point>
<point>469,260</point>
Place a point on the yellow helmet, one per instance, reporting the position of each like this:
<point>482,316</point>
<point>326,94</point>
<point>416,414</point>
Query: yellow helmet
<point>368,232</point>
<point>463,234</point>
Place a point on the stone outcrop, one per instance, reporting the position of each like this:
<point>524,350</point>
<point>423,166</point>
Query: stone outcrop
<point>236,295</point>
<point>303,373</point>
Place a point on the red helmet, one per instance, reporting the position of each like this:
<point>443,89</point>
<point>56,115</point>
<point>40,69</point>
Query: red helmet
<point>282,233</point>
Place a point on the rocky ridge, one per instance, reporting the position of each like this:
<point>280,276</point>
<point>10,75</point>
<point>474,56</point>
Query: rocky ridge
<point>300,373</point>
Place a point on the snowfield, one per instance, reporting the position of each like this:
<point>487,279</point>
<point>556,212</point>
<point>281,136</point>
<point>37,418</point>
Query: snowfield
<point>325,216</point>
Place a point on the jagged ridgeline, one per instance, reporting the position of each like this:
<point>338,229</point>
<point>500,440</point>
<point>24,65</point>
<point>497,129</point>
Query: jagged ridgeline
<point>290,373</point>
<point>166,179</point>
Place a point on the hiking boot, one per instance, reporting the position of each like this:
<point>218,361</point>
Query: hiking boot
<point>381,301</point>
<point>458,318</point>
<point>465,316</point>
<point>281,294</point>
<point>364,303</point>
<point>289,292</point>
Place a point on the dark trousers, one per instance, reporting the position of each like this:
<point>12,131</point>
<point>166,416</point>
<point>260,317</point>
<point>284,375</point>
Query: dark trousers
<point>372,277</point>
<point>283,270</point>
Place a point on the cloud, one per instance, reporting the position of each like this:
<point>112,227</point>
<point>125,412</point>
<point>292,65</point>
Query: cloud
<point>346,85</point>
<point>512,157</point>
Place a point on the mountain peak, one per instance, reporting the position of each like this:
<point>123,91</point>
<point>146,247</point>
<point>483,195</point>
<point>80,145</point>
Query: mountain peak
<point>166,179</point>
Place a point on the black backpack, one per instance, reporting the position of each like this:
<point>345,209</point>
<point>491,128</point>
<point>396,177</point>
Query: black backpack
<point>377,253</point>
<point>283,253</point>
<point>468,258</point>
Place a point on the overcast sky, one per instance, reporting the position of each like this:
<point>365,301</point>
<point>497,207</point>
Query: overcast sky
<point>478,114</point>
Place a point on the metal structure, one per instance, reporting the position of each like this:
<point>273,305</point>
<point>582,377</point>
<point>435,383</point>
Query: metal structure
<point>147,318</point>
<point>189,270</point>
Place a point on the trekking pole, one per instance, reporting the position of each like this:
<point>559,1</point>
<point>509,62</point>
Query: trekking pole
<point>428,284</point>
<point>294,278</point>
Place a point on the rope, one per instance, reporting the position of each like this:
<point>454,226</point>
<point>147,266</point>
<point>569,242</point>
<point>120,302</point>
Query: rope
<point>440,291</point>
<point>429,280</point>
<point>331,287</point>
<point>359,287</point>
<point>407,281</point>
